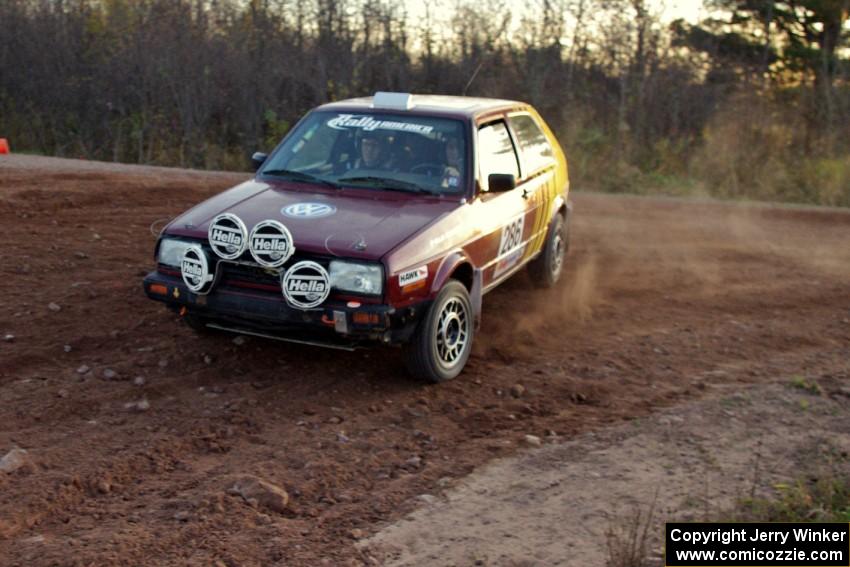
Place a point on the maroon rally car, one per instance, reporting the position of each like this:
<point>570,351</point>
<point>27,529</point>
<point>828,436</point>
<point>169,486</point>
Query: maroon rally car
<point>376,219</point>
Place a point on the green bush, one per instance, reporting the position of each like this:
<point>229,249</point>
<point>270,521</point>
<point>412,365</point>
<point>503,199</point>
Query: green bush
<point>824,499</point>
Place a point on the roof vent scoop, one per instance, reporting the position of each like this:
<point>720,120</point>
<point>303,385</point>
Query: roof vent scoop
<point>396,101</point>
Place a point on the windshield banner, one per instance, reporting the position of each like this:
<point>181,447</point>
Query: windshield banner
<point>368,123</point>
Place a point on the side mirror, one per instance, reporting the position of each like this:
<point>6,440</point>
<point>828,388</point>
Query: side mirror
<point>258,159</point>
<point>501,182</point>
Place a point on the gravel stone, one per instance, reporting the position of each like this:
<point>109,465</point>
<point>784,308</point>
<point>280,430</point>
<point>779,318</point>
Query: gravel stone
<point>141,405</point>
<point>258,493</point>
<point>427,498</point>
<point>13,460</point>
<point>532,440</point>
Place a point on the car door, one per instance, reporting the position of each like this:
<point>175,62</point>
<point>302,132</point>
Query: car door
<point>506,220</point>
<point>537,164</point>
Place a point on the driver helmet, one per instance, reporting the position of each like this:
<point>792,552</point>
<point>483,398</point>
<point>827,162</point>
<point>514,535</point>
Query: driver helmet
<point>373,136</point>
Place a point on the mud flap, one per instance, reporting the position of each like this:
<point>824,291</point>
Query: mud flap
<point>475,296</point>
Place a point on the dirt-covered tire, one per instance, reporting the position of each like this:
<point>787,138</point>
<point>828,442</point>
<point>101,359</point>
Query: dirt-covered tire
<point>441,344</point>
<point>196,323</point>
<point>547,268</point>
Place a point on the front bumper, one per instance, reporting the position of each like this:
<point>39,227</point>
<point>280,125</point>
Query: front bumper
<point>265,312</point>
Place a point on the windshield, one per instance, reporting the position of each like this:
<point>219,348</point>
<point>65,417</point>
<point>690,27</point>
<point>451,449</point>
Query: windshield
<point>380,151</point>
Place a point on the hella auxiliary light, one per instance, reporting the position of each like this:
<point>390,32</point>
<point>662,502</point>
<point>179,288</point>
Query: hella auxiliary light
<point>195,269</point>
<point>356,277</point>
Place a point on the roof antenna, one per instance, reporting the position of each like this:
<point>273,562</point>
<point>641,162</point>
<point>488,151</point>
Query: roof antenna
<point>472,78</point>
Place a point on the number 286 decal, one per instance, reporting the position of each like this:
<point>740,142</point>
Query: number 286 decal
<point>512,235</point>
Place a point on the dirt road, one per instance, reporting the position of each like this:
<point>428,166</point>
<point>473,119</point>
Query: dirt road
<point>570,503</point>
<point>663,301</point>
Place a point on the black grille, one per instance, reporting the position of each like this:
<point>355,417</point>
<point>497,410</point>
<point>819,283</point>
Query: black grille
<point>236,274</point>
<point>242,273</point>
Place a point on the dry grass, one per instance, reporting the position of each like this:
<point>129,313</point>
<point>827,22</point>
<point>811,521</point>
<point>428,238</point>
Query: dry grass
<point>628,540</point>
<point>752,148</point>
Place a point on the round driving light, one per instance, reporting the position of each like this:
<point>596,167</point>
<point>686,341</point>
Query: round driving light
<point>305,284</point>
<point>195,269</point>
<point>271,244</point>
<point>228,236</point>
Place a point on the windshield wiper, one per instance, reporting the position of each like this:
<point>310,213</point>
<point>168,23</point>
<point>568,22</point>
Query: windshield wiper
<point>299,176</point>
<point>390,184</point>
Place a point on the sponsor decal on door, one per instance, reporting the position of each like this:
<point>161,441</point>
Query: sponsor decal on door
<point>512,235</point>
<point>511,246</point>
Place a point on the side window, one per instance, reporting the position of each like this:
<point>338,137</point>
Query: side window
<point>496,151</point>
<point>536,151</point>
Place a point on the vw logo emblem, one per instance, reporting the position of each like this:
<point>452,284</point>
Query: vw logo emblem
<point>195,269</point>
<point>305,285</point>
<point>308,210</point>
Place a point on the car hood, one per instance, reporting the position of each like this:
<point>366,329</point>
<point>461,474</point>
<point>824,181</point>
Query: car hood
<point>364,224</point>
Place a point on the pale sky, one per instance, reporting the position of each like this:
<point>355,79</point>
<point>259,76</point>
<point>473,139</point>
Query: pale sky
<point>690,10</point>
<point>441,11</point>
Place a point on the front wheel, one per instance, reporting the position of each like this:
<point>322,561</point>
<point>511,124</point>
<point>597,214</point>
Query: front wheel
<point>546,269</point>
<point>441,344</point>
<point>196,323</point>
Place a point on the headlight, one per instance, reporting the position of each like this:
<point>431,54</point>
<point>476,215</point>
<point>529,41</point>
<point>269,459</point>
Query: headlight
<point>171,251</point>
<point>367,279</point>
